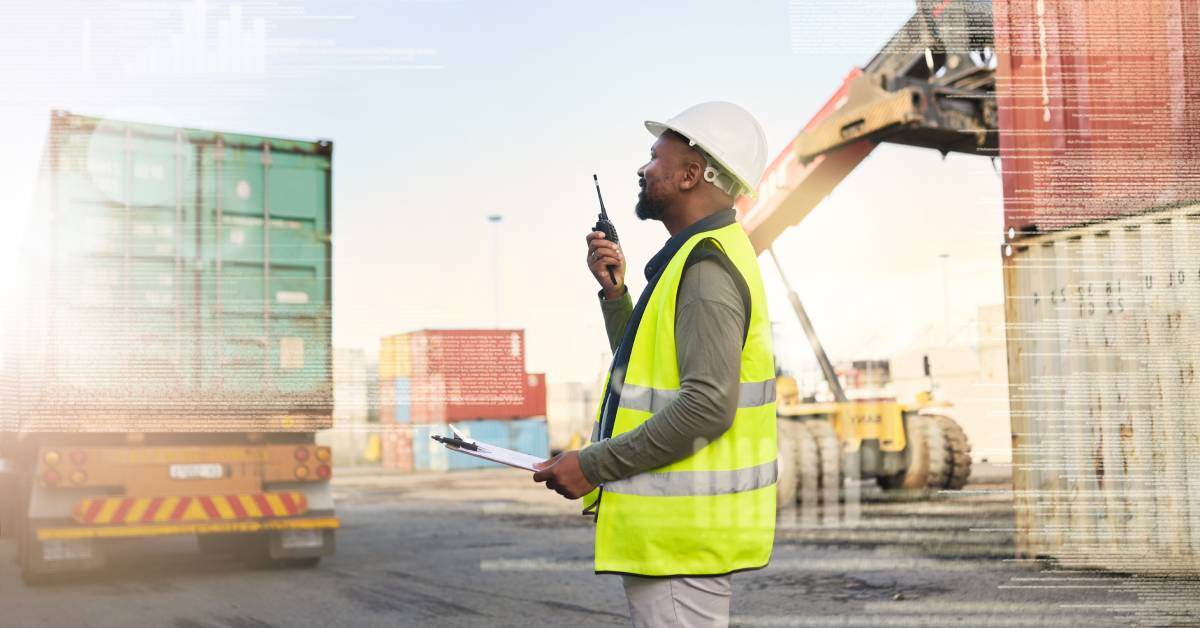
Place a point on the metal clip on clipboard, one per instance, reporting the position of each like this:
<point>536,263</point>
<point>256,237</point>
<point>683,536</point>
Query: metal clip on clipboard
<point>464,445</point>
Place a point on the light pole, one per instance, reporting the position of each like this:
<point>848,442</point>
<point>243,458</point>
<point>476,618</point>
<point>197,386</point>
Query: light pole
<point>945,299</point>
<point>495,219</point>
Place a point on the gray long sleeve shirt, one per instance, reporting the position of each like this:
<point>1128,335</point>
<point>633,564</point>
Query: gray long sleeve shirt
<point>709,323</point>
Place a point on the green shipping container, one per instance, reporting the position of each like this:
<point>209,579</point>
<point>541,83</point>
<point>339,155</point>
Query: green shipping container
<point>173,280</point>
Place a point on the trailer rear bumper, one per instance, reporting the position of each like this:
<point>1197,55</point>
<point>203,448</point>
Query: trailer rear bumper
<point>206,527</point>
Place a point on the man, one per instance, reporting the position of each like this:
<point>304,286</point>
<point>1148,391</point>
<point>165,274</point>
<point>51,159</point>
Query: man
<point>681,470</point>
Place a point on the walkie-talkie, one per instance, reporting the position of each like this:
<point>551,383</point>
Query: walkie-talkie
<point>605,226</point>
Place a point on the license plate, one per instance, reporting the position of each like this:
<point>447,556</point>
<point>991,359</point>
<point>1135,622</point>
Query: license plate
<point>302,539</point>
<point>66,549</point>
<point>197,471</point>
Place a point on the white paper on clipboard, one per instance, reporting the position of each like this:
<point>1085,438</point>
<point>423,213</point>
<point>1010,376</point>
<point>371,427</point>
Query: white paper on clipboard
<point>496,454</point>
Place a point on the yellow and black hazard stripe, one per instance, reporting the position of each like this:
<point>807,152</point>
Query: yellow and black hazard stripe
<point>170,509</point>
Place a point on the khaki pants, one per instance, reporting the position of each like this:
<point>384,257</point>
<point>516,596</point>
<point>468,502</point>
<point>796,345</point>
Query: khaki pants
<point>679,601</point>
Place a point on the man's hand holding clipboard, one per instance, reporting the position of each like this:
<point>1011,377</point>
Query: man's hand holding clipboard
<point>564,475</point>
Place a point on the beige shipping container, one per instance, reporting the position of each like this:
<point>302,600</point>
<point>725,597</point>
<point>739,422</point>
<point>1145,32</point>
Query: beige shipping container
<point>571,413</point>
<point>1103,335</point>
<point>395,357</point>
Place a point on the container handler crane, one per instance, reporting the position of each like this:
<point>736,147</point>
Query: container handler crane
<point>932,86</point>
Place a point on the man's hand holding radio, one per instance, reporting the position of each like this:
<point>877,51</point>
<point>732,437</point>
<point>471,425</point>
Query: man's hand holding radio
<point>602,256</point>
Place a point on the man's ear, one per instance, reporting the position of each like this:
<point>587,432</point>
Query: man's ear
<point>691,175</point>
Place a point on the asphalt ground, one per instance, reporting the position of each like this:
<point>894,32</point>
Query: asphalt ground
<point>490,548</point>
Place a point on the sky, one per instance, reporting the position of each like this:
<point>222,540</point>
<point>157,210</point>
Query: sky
<point>443,112</point>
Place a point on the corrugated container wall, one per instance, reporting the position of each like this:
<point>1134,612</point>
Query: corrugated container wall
<point>1103,325</point>
<point>173,280</point>
<point>1099,104</point>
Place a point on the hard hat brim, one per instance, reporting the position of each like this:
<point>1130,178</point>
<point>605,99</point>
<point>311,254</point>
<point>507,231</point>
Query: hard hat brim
<point>656,128</point>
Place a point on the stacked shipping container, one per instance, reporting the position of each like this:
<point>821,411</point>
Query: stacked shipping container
<point>1098,108</point>
<point>1100,127</point>
<point>173,280</point>
<point>460,376</point>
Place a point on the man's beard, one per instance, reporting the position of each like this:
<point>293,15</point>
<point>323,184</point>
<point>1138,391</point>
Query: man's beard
<point>648,207</point>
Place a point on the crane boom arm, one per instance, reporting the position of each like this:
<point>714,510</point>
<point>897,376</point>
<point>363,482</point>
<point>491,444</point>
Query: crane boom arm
<point>930,86</point>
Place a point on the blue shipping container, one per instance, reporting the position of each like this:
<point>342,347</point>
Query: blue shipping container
<point>428,454</point>
<point>402,412</point>
<point>490,432</point>
<point>530,436</point>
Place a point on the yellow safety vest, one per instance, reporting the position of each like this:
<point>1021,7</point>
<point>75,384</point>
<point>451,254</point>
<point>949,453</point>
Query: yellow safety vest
<point>712,512</point>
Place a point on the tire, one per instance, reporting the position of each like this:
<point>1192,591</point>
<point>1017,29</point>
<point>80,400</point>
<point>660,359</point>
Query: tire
<point>218,544</point>
<point>28,547</point>
<point>254,550</point>
<point>958,452</point>
<point>21,520</point>
<point>785,480</point>
<point>10,489</point>
<point>916,475</point>
<point>940,457</point>
<point>808,468</point>
<point>829,454</point>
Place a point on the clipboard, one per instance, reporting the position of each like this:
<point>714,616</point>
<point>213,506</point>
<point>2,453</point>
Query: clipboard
<point>471,447</point>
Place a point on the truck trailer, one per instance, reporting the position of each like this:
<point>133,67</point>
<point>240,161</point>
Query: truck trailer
<point>167,356</point>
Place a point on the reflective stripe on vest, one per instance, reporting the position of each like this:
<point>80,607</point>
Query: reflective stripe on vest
<point>684,483</point>
<point>654,400</point>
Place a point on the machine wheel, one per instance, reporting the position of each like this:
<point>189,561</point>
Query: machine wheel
<point>940,457</point>
<point>829,452</point>
<point>808,467</point>
<point>958,451</point>
<point>785,481</point>
<point>916,475</point>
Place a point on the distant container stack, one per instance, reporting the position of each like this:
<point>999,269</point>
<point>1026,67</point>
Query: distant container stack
<point>429,378</point>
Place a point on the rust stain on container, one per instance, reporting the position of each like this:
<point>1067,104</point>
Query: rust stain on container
<point>1099,106</point>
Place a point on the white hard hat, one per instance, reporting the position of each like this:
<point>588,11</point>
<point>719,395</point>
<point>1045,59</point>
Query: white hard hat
<point>728,135</point>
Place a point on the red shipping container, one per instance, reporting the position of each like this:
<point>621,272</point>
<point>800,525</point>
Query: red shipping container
<point>535,394</point>
<point>467,374</point>
<point>428,399</point>
<point>397,449</point>
<point>387,401</point>
<point>1099,105</point>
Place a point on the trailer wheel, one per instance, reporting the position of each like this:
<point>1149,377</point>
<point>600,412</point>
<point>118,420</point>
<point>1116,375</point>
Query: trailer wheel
<point>10,489</point>
<point>20,509</point>
<point>27,548</point>
<point>255,551</point>
<point>219,544</point>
